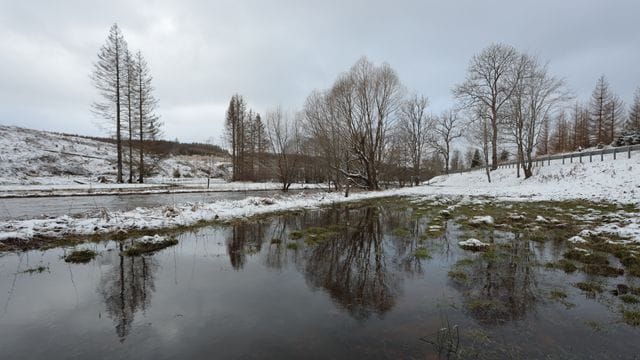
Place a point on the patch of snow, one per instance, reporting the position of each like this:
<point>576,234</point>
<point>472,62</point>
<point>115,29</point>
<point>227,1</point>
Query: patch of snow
<point>541,219</point>
<point>472,244</point>
<point>478,220</point>
<point>577,240</point>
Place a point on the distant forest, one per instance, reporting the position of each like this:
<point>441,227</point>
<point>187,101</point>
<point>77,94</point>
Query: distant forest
<point>166,147</point>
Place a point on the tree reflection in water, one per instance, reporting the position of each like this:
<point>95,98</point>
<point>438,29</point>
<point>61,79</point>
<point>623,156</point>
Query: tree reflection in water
<point>360,264</point>
<point>354,267</point>
<point>126,289</point>
<point>502,283</point>
<point>244,239</point>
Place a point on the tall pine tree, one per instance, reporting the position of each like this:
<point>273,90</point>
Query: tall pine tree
<point>108,75</point>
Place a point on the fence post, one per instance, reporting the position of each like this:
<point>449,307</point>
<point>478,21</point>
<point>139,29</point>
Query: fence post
<point>590,156</point>
<point>571,158</point>
<point>580,158</point>
<point>549,160</point>
<point>629,152</point>
<point>614,153</point>
<point>562,159</point>
<point>602,155</point>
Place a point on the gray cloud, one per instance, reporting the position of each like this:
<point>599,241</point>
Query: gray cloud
<point>277,52</point>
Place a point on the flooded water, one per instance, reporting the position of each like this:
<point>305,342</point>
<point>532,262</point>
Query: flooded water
<point>341,283</point>
<point>39,207</point>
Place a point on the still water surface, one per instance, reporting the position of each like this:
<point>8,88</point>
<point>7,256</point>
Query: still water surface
<point>245,292</point>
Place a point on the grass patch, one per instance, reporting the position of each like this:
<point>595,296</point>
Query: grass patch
<point>602,270</point>
<point>629,299</point>
<point>631,317</point>
<point>400,232</point>
<point>147,247</point>
<point>557,295</point>
<point>422,253</point>
<point>563,264</point>
<point>80,256</point>
<point>293,246</point>
<point>296,234</point>
<point>586,257</point>
<point>464,262</point>
<point>459,276</point>
<point>487,310</point>
<point>590,287</point>
<point>276,241</point>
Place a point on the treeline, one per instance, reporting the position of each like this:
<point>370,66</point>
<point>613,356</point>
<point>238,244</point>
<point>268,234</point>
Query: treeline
<point>514,104</point>
<point>364,131</point>
<point>165,148</point>
<point>597,122</point>
<point>246,134</point>
<point>367,129</point>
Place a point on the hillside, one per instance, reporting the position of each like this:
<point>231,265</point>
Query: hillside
<point>612,180</point>
<point>39,157</point>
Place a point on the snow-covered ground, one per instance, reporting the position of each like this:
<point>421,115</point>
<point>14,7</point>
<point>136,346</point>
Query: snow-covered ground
<point>613,181</point>
<point>154,186</point>
<point>609,181</point>
<point>33,157</point>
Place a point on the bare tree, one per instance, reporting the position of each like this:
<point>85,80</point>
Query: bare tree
<point>414,127</point>
<point>560,137</point>
<point>600,99</point>
<point>149,125</point>
<point>536,96</point>
<point>633,121</point>
<point>479,132</point>
<point>366,100</point>
<point>108,75</point>
<point>284,136</point>
<point>447,128</point>
<point>327,132</point>
<point>615,114</point>
<point>487,87</point>
<point>129,95</point>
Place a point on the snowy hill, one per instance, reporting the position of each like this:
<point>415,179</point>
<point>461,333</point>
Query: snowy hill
<point>39,157</point>
<point>612,180</point>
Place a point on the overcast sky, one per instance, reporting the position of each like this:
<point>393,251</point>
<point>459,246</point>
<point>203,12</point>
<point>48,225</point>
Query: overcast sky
<point>276,52</point>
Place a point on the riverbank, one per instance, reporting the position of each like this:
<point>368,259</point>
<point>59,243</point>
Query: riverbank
<point>615,182</point>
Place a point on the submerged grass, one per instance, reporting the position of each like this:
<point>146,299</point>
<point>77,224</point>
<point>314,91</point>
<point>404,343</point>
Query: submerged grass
<point>590,287</point>
<point>458,276</point>
<point>422,253</point>
<point>80,256</point>
<point>631,317</point>
<point>147,247</point>
<point>629,299</point>
<point>36,270</point>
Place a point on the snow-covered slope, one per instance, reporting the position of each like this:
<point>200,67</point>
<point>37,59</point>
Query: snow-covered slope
<point>39,157</point>
<point>611,180</point>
